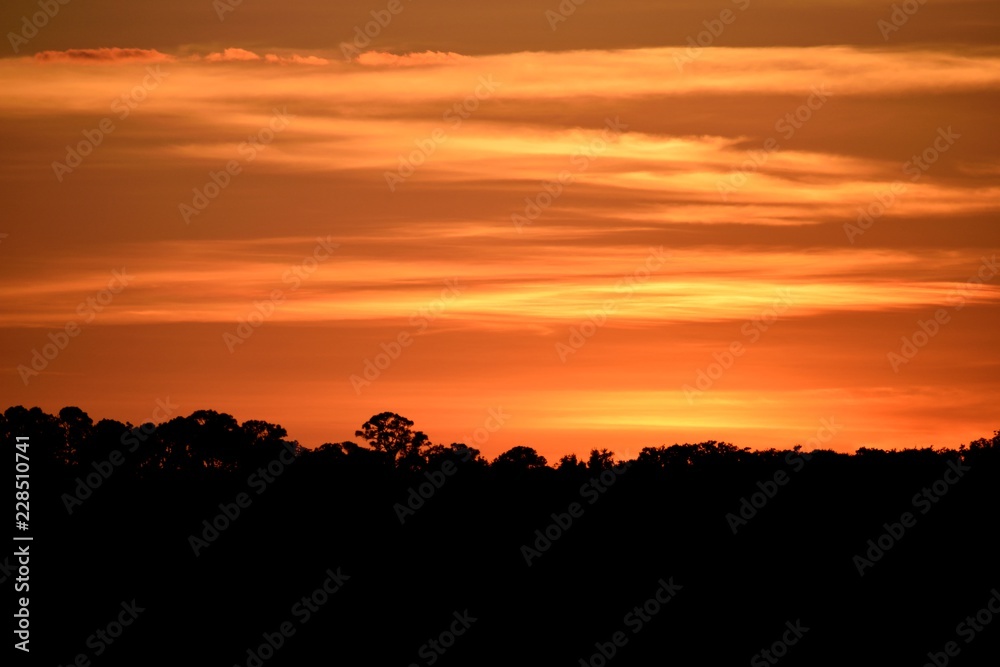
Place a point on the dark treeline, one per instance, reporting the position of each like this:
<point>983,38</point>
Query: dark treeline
<point>210,444</point>
<point>225,534</point>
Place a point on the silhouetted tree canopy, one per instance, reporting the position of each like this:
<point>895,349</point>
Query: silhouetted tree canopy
<point>755,537</point>
<point>519,458</point>
<point>391,434</point>
<point>207,442</point>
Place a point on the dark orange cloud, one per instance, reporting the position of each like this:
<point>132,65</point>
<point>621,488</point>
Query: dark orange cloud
<point>295,59</point>
<point>103,55</point>
<point>604,153</point>
<point>230,55</point>
<point>244,55</point>
<point>381,58</point>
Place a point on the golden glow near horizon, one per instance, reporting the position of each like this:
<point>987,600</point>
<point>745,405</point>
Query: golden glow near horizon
<point>622,244</point>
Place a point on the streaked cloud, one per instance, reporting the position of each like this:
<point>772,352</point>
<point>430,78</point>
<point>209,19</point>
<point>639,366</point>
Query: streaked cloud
<point>813,133</point>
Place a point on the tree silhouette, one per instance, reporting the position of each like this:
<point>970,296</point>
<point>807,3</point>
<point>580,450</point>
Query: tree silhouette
<point>570,463</point>
<point>520,458</point>
<point>447,537</point>
<point>600,460</point>
<point>391,434</point>
<point>456,452</point>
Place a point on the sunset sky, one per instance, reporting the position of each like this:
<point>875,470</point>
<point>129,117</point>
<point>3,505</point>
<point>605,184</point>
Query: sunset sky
<point>578,220</point>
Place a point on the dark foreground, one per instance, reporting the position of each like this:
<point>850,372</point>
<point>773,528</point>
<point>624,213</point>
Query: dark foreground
<point>705,555</point>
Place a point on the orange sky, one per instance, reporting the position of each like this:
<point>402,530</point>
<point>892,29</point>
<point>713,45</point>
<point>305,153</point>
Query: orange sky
<point>616,239</point>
